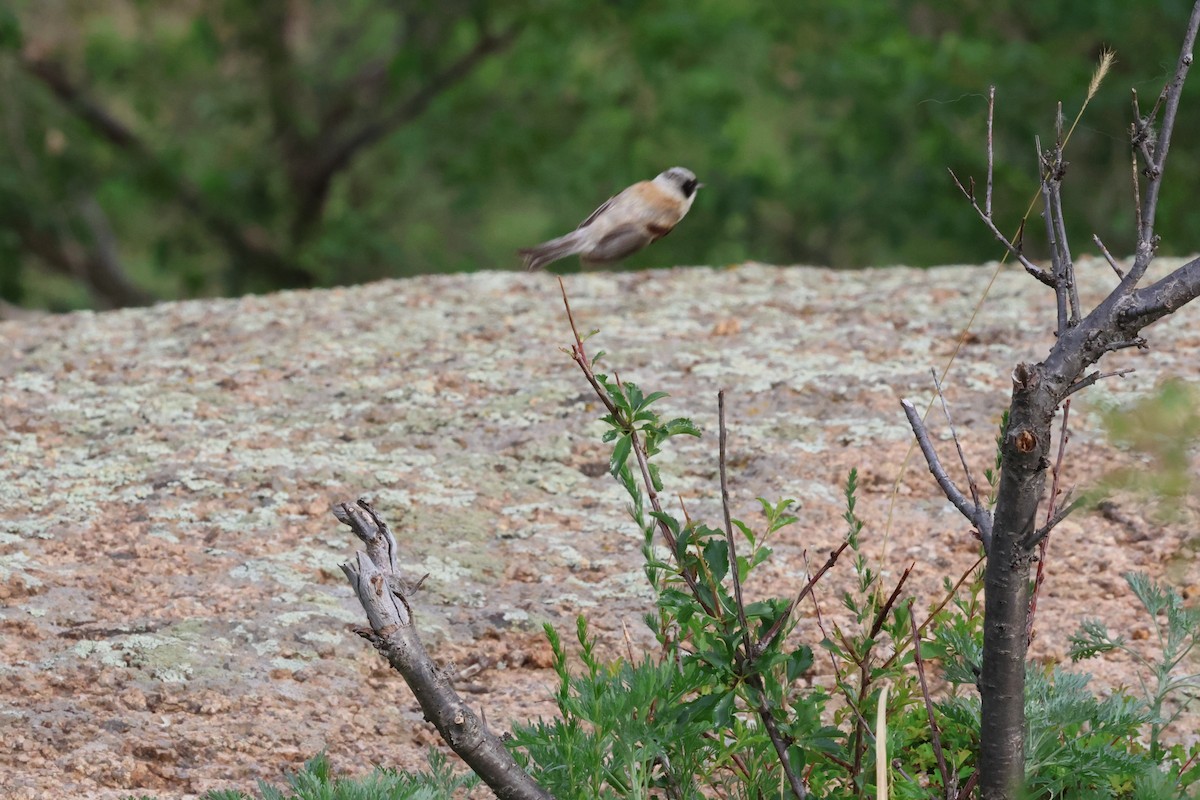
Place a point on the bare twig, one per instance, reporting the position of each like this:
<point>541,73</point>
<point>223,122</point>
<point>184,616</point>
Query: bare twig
<point>949,783</point>
<point>945,601</point>
<point>1090,379</point>
<point>976,514</point>
<point>1012,246</point>
<point>1051,185</point>
<point>862,660</point>
<point>886,608</point>
<point>1064,436</point>
<point>987,203</point>
<point>1112,262</point>
<point>1064,244</point>
<point>768,637</point>
<point>579,356</point>
<point>1136,132</point>
<point>1173,92</point>
<point>729,538</point>
<point>1066,508</point>
<point>1154,148</point>
<point>962,458</point>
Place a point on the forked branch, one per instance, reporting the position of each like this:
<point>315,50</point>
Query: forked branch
<point>385,599</point>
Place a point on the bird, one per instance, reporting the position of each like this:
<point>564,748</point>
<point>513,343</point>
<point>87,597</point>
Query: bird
<point>625,223</point>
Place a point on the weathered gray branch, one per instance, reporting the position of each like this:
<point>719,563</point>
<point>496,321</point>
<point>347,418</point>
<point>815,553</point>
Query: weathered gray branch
<point>383,596</point>
<point>976,514</point>
<point>1164,297</point>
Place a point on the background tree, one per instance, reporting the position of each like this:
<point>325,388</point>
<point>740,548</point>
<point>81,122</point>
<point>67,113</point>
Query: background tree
<point>1027,508</point>
<point>167,149</point>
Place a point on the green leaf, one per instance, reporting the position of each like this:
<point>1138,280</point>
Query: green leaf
<point>723,712</point>
<point>799,662</point>
<point>650,398</point>
<point>671,523</point>
<point>620,455</point>
<point>704,708</point>
<point>633,393</point>
<point>681,425</point>
<point>1091,640</point>
<point>761,555</point>
<point>716,555</point>
<point>655,478</point>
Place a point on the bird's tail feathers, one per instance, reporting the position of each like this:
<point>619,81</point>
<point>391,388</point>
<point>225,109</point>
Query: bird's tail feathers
<point>551,251</point>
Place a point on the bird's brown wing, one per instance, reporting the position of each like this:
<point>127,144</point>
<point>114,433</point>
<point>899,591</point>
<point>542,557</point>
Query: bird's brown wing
<point>622,241</point>
<point>592,217</point>
<point>603,206</point>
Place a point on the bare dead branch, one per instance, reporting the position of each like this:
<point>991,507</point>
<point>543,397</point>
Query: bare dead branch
<point>975,514</point>
<point>962,458</point>
<point>372,530</point>
<point>1137,181</point>
<point>393,633</point>
<point>1038,390</point>
<point>1087,381</point>
<point>987,203</point>
<point>1050,162</point>
<point>1065,510</point>
<point>1112,262</point>
<point>1011,246</point>
<point>1150,303</point>
<point>1173,91</point>
<point>1067,283</point>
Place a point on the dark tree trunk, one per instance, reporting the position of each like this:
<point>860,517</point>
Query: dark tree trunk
<point>1006,582</point>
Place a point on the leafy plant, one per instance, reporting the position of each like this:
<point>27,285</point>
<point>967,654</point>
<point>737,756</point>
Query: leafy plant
<point>1177,635</point>
<point>316,781</point>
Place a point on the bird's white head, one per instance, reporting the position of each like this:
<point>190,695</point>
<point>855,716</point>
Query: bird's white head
<point>679,179</point>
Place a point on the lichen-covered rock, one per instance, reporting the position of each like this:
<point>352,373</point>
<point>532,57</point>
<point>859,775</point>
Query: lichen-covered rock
<point>173,613</point>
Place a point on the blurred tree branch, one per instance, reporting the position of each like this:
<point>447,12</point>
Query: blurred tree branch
<point>97,266</point>
<point>317,132</point>
<point>313,162</point>
<point>247,249</point>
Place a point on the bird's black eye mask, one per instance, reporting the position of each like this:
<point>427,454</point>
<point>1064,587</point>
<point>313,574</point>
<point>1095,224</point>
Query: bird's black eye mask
<point>689,187</point>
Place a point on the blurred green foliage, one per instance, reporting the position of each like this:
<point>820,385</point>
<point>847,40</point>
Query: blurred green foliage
<point>172,148</point>
<point>1162,432</point>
